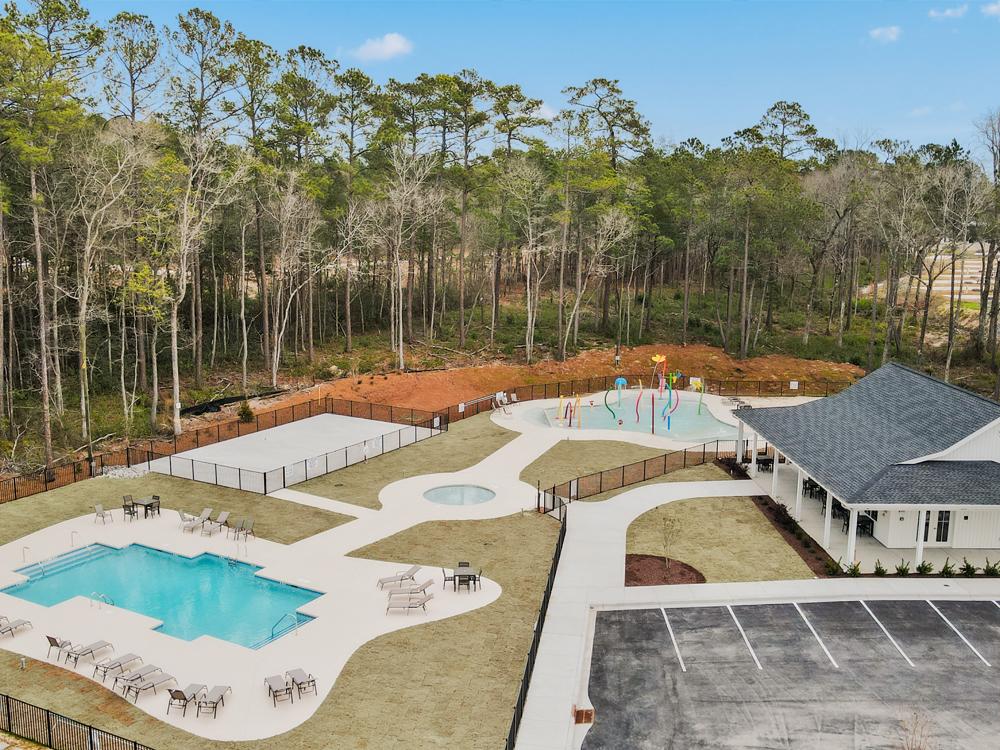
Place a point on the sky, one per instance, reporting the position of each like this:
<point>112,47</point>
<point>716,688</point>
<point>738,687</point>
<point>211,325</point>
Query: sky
<point>918,71</point>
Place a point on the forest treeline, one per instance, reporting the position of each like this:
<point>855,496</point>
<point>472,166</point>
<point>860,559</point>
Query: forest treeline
<point>172,199</point>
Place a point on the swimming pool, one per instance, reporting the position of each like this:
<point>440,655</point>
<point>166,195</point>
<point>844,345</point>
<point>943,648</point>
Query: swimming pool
<point>459,494</point>
<point>192,596</point>
<point>685,421</point>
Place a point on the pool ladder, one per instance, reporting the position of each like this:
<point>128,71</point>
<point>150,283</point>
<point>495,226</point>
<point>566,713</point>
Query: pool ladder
<point>295,623</point>
<point>101,599</point>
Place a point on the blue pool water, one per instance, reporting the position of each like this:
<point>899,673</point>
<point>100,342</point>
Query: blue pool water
<point>203,595</point>
<point>685,422</point>
<point>459,494</point>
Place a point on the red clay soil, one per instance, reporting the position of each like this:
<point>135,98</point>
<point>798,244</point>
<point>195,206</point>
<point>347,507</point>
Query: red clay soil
<point>653,570</point>
<point>441,388</point>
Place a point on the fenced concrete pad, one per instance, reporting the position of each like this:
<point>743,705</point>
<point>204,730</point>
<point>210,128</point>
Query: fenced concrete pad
<point>924,685</point>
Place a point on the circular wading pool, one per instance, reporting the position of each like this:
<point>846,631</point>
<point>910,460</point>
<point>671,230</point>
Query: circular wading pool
<point>459,494</point>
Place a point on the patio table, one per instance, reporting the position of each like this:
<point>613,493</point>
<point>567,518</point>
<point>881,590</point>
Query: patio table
<point>149,505</point>
<point>462,573</point>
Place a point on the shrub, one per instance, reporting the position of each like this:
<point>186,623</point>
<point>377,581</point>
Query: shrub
<point>807,544</point>
<point>903,568</point>
<point>782,516</point>
<point>925,568</point>
<point>948,569</point>
<point>245,413</point>
<point>880,568</point>
<point>967,569</point>
<point>991,570</point>
<point>854,569</point>
<point>833,567</point>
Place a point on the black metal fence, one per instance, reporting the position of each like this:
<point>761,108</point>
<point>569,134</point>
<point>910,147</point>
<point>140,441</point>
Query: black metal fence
<point>536,637</point>
<point>57,731</point>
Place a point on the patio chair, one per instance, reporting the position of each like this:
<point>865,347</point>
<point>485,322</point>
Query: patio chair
<point>410,602</point>
<point>128,508</point>
<point>58,644</point>
<point>463,564</point>
<point>154,509</point>
<point>246,530</point>
<point>151,683</point>
<point>447,578</point>
<point>134,676</point>
<point>103,515</point>
<point>279,689</point>
<point>212,700</point>
<point>78,652</point>
<point>181,698</point>
<point>185,518</point>
<point>303,683</point>
<point>477,581</point>
<point>210,527</point>
<point>194,523</point>
<point>115,664</point>
<point>399,578</point>
<point>235,529</point>
<point>12,626</point>
<point>411,590</point>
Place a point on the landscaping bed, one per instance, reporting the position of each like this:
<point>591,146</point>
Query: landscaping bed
<point>656,570</point>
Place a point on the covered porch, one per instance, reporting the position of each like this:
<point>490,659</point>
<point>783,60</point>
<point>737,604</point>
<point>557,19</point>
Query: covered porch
<point>784,484</point>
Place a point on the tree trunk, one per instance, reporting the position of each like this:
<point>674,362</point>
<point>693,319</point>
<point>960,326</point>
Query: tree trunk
<point>43,321</point>
<point>175,370</point>
<point>348,333</point>
<point>744,322</point>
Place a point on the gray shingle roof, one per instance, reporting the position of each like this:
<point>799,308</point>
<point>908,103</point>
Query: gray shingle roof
<point>937,483</point>
<point>895,414</point>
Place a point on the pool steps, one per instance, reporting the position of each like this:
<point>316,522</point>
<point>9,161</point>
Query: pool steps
<point>66,561</point>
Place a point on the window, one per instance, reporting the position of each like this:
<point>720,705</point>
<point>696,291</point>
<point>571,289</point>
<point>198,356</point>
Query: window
<point>943,523</point>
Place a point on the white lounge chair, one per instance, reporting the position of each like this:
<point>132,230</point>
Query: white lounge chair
<point>181,698</point>
<point>78,652</point>
<point>134,676</point>
<point>303,683</point>
<point>212,700</point>
<point>12,626</point>
<point>410,602</point>
<point>279,689</point>
<point>185,518</point>
<point>411,590</point>
<point>399,578</point>
<point>194,523</point>
<point>210,527</point>
<point>115,664</point>
<point>150,683</point>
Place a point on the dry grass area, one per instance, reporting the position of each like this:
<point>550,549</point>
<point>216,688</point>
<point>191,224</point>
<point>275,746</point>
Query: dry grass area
<point>447,684</point>
<point>725,538</point>
<point>704,473</point>
<point>569,459</point>
<point>464,444</point>
<point>277,520</point>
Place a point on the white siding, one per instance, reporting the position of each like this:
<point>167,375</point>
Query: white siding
<point>976,528</point>
<point>984,447</point>
<point>897,528</point>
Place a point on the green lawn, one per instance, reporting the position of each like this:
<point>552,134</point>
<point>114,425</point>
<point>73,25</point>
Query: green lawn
<point>277,520</point>
<point>725,538</point>
<point>465,444</point>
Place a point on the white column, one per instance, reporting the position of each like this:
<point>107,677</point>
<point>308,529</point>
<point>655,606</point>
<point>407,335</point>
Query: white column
<point>753,457</point>
<point>798,495</point>
<point>826,522</point>
<point>921,514</point>
<point>852,535</point>
<point>774,474</point>
<point>739,444</point>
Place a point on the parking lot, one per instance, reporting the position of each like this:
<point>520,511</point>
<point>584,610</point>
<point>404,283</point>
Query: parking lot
<point>846,674</point>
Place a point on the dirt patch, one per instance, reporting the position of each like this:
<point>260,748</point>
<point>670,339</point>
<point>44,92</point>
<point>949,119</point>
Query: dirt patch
<point>652,570</point>
<point>440,388</point>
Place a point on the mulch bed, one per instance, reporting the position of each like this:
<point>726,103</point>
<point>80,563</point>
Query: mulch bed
<point>654,570</point>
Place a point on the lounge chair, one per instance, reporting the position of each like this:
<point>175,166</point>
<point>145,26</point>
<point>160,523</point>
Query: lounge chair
<point>134,676</point>
<point>235,529</point>
<point>115,664</point>
<point>304,683</point>
<point>12,626</point>
<point>58,644</point>
<point>210,527</point>
<point>194,523</point>
<point>185,518</point>
<point>399,578</point>
<point>150,683</point>
<point>409,602</point>
<point>100,513</point>
<point>279,689</point>
<point>411,590</point>
<point>212,700</point>
<point>181,698</point>
<point>78,652</point>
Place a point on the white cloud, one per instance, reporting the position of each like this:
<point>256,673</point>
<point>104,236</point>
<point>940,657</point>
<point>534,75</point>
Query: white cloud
<point>888,34</point>
<point>544,110</point>
<point>384,47</point>
<point>921,111</point>
<point>992,9</point>
<point>957,12</point>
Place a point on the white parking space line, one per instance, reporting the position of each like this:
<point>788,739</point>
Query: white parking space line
<point>745,639</point>
<point>887,635</point>
<point>816,635</point>
<point>673,640</point>
<point>959,634</point>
